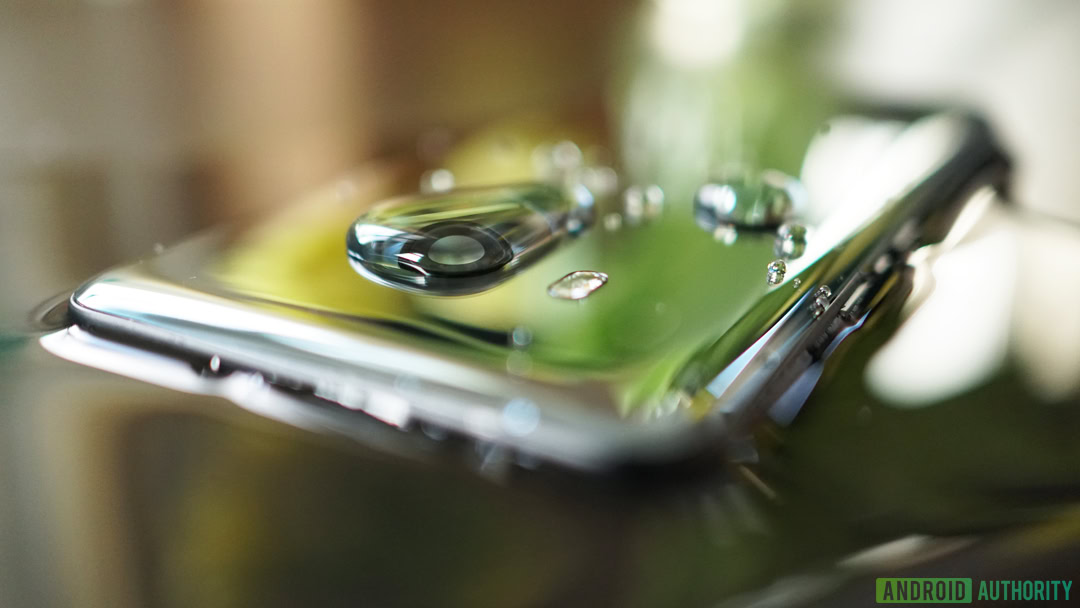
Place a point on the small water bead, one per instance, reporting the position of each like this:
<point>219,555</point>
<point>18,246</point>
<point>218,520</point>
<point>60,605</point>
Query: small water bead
<point>712,202</point>
<point>633,205</point>
<point>582,210</point>
<point>521,337</point>
<point>643,203</point>
<point>746,198</point>
<point>775,272</point>
<point>796,283</point>
<point>790,241</point>
<point>436,180</point>
<point>612,222</point>
<point>577,285</point>
<point>726,234</point>
<point>215,364</point>
<point>822,298</point>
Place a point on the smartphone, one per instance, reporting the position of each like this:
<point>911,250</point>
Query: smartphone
<point>582,312</point>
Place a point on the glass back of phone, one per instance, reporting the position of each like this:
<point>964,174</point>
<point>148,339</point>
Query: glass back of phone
<point>622,285</point>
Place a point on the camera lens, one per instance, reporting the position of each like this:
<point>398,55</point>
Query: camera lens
<point>463,241</point>
<point>455,249</point>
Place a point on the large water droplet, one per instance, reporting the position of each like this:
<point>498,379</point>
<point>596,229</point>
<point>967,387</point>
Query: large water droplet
<point>775,271</point>
<point>577,285</point>
<point>746,199</point>
<point>464,241</point>
<point>790,241</point>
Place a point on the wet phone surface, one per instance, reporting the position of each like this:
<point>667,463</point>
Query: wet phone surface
<point>581,310</point>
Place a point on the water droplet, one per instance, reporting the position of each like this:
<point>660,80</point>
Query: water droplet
<point>775,272</point>
<point>746,199</point>
<point>642,203</point>
<point>436,180</point>
<point>520,417</point>
<point>633,205</point>
<point>796,283</point>
<point>463,241</point>
<point>790,241</point>
<point>654,201</point>
<point>521,337</point>
<point>726,234</point>
<point>577,285</point>
<point>822,297</point>
<point>575,226</point>
<point>215,364</point>
<point>612,222</point>
<point>582,211</point>
<point>159,248</point>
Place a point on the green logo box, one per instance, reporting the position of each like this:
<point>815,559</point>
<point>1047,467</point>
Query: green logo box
<point>923,591</point>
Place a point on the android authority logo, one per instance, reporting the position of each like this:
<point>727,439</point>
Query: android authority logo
<point>961,591</point>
